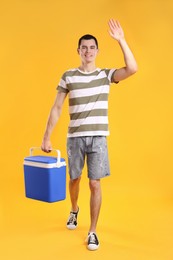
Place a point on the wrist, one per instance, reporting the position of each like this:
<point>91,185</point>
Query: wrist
<point>46,137</point>
<point>121,40</point>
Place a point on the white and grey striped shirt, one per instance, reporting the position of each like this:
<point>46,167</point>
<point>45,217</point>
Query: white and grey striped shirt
<point>88,101</point>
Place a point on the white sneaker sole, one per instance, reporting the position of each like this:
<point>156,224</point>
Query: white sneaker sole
<point>71,227</point>
<point>92,247</point>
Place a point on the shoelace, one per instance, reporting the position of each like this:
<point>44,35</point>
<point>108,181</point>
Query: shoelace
<point>72,218</point>
<point>92,238</point>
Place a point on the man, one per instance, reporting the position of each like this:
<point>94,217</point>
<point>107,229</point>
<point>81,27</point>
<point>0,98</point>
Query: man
<point>88,88</point>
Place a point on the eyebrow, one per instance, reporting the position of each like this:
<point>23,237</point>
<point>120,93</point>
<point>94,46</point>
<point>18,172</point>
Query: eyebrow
<point>92,46</point>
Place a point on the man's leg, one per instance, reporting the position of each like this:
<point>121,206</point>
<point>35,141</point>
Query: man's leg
<point>95,203</point>
<point>74,193</point>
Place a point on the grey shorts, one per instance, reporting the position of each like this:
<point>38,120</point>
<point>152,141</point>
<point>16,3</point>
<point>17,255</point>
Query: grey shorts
<point>94,149</point>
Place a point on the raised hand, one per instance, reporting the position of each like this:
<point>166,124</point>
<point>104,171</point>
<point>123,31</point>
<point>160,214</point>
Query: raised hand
<point>115,30</point>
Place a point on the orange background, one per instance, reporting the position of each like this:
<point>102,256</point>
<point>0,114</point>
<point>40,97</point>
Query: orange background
<point>38,42</point>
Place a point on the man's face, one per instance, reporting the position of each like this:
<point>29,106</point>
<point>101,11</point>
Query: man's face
<point>88,51</point>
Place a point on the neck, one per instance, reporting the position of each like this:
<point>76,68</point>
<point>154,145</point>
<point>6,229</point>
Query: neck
<point>87,67</point>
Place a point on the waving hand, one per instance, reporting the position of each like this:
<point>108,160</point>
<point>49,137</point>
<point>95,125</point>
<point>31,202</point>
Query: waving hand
<point>115,30</point>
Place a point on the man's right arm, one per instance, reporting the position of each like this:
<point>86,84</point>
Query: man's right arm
<point>130,67</point>
<point>52,120</point>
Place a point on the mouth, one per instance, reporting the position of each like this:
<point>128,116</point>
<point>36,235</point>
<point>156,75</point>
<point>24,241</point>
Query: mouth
<point>88,55</point>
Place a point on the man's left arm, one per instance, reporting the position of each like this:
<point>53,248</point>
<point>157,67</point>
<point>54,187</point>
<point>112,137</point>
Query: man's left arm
<point>130,67</point>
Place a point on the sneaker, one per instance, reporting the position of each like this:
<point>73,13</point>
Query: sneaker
<point>72,220</point>
<point>92,241</point>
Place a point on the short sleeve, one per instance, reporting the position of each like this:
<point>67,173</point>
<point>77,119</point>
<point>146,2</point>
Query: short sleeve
<point>62,86</point>
<point>110,74</point>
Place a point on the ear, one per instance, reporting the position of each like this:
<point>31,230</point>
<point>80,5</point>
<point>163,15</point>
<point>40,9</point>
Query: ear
<point>98,51</point>
<point>78,50</point>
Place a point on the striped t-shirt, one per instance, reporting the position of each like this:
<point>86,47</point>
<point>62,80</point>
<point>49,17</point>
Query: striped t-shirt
<point>88,101</point>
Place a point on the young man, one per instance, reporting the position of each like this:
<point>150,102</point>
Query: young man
<point>88,89</point>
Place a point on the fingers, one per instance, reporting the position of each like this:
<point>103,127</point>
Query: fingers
<point>115,29</point>
<point>46,148</point>
<point>114,24</point>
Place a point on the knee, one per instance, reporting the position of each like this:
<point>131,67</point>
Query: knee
<point>94,185</point>
<point>75,181</point>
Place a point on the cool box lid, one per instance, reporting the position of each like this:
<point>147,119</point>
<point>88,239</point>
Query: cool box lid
<point>44,161</point>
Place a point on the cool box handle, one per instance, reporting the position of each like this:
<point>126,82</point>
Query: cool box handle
<point>53,150</point>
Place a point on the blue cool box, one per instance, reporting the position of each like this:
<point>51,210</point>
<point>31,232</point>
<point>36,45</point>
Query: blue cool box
<point>45,178</point>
